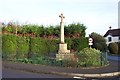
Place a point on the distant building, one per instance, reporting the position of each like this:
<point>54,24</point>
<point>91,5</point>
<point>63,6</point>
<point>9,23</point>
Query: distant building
<point>112,35</point>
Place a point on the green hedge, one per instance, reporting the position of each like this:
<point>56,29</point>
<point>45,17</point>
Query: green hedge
<point>69,42</point>
<point>38,46</point>
<point>25,47</point>
<point>9,45</point>
<point>41,46</point>
<point>15,47</point>
<point>22,47</point>
<point>52,46</point>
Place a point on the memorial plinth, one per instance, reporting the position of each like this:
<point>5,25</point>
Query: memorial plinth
<point>63,52</point>
<point>63,48</point>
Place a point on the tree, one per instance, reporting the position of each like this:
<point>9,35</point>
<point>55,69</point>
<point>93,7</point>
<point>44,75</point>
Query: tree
<point>33,30</point>
<point>10,28</point>
<point>25,29</point>
<point>50,30</point>
<point>41,30</point>
<point>75,30</point>
<point>67,31</point>
<point>57,31</point>
<point>98,41</point>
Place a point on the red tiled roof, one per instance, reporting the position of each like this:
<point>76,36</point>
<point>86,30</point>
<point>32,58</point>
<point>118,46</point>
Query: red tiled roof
<point>113,32</point>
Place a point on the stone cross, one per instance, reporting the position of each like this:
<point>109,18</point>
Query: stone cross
<point>61,28</point>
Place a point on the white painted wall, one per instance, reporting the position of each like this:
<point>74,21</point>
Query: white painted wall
<point>114,39</point>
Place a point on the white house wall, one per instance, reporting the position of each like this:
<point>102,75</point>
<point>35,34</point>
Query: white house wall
<point>114,39</point>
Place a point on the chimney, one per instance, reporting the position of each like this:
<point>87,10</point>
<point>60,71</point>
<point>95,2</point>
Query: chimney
<point>110,28</point>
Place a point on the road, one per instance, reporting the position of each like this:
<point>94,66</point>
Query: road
<point>10,73</point>
<point>115,58</point>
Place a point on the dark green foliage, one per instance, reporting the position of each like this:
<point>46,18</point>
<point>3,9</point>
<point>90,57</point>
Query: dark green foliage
<point>69,42</point>
<point>15,46</point>
<point>40,31</point>
<point>40,46</point>
<point>75,30</point>
<point>49,31</point>
<point>39,60</point>
<point>25,29</point>
<point>98,42</point>
<point>113,48</point>
<point>79,43</point>
<point>25,47</point>
<point>9,45</point>
<point>24,60</point>
<point>47,61</point>
<point>51,46</point>
<point>57,31</point>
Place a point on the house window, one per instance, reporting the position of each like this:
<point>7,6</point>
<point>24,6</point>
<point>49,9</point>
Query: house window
<point>109,39</point>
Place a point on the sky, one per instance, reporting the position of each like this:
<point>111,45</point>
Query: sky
<point>96,15</point>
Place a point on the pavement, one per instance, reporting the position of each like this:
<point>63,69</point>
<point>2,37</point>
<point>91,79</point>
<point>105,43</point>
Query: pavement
<point>105,71</point>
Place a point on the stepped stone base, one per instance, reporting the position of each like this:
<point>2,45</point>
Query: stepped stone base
<point>63,53</point>
<point>64,56</point>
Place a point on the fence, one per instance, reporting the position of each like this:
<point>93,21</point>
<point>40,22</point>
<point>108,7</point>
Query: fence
<point>104,59</point>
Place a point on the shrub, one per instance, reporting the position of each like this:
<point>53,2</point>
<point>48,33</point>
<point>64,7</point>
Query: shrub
<point>40,60</point>
<point>89,57</point>
<point>113,48</point>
